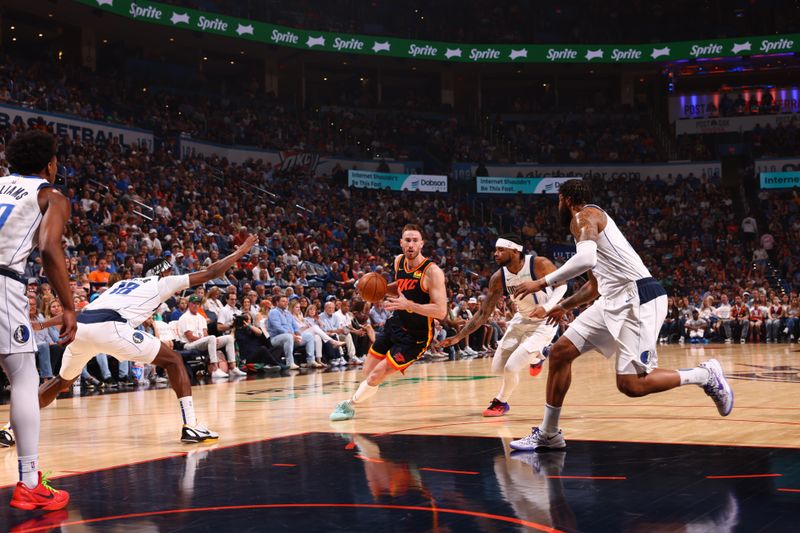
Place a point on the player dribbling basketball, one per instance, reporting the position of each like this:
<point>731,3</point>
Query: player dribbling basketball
<point>416,297</point>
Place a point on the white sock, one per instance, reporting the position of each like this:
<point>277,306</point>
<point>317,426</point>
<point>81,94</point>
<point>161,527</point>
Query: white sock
<point>510,380</point>
<point>187,411</point>
<point>550,421</point>
<point>365,392</point>
<point>694,376</point>
<point>29,470</point>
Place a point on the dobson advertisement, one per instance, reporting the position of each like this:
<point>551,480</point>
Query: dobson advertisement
<point>520,185</point>
<point>396,182</point>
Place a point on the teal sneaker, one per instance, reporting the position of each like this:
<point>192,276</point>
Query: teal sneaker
<point>343,411</point>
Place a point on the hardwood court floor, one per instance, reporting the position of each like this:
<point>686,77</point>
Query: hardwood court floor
<point>82,435</point>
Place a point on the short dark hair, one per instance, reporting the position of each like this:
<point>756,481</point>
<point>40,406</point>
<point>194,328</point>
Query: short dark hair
<point>30,152</point>
<point>413,227</point>
<point>577,191</point>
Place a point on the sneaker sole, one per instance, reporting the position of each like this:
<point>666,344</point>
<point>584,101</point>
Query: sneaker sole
<point>535,370</point>
<point>725,385</point>
<point>195,441</point>
<point>539,448</point>
<point>25,506</point>
<point>493,414</point>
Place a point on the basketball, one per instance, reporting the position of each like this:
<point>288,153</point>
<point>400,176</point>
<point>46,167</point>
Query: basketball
<point>372,287</point>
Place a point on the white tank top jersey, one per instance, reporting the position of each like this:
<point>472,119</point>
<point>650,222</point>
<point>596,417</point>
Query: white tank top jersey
<point>136,299</point>
<point>20,217</point>
<point>618,264</point>
<point>526,304</point>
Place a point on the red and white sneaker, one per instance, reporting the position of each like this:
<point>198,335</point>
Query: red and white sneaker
<point>41,497</point>
<point>536,366</point>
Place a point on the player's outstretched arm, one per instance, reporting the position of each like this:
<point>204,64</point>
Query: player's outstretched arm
<point>585,228</point>
<point>488,306</point>
<point>218,269</point>
<point>55,207</point>
<point>433,282</point>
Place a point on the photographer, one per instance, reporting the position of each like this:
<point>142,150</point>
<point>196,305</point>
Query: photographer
<point>253,345</point>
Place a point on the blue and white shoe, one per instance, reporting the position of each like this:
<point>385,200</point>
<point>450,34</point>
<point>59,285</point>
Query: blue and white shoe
<point>546,464</point>
<point>343,411</point>
<point>718,387</point>
<point>538,441</point>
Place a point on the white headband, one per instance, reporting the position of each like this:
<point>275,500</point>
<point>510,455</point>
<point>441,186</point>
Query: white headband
<point>505,243</point>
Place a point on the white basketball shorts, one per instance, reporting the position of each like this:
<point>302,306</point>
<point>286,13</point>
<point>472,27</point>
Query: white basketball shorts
<point>635,345</point>
<point>16,335</point>
<point>117,339</point>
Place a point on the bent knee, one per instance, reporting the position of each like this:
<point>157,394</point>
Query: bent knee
<point>629,386</point>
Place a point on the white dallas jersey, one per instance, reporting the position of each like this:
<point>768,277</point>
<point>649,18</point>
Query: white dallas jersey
<point>20,217</point>
<point>618,264</point>
<point>526,304</point>
<point>136,299</point>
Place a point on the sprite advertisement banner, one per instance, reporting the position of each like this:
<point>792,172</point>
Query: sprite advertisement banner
<point>520,185</point>
<point>192,19</point>
<point>780,180</point>
<point>396,182</point>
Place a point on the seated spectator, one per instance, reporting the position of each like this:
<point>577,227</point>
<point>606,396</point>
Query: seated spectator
<point>193,330</point>
<point>308,323</point>
<point>180,309</point>
<point>774,320</point>
<point>254,347</point>
<point>284,331</point>
<point>332,324</point>
<point>696,328</point>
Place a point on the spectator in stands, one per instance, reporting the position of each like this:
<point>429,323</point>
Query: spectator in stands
<point>332,324</point>
<point>774,320</point>
<point>254,347</point>
<point>696,328</point>
<point>284,331</point>
<point>740,318</point>
<point>193,329</point>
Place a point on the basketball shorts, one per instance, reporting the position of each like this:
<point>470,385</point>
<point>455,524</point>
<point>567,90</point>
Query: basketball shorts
<point>638,323</point>
<point>399,345</point>
<point>524,338</point>
<point>117,339</point>
<point>16,335</point>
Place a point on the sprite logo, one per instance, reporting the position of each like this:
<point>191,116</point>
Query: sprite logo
<point>349,44</point>
<point>567,53</point>
<point>284,37</point>
<point>709,49</point>
<point>426,50</point>
<point>630,53</point>
<point>781,44</point>
<point>149,12</point>
<point>212,24</point>
<point>491,53</point>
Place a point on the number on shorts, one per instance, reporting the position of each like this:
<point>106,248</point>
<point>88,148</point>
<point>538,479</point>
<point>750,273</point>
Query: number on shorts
<point>5,211</point>
<point>124,288</point>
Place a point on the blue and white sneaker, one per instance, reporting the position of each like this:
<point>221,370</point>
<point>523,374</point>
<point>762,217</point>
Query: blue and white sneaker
<point>344,411</point>
<point>546,464</point>
<point>717,387</point>
<point>538,441</point>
